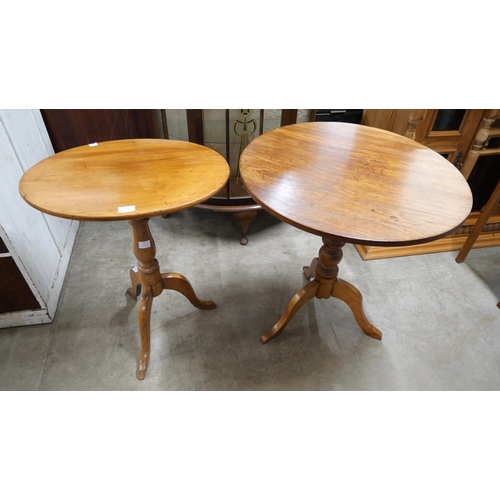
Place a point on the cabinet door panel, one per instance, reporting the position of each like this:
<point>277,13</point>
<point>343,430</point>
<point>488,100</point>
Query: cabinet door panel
<point>25,226</point>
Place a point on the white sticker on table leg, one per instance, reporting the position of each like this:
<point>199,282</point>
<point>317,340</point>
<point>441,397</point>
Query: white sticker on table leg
<point>145,244</point>
<point>130,208</point>
<point>135,269</point>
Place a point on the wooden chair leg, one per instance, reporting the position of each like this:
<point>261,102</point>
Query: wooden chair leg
<point>479,225</point>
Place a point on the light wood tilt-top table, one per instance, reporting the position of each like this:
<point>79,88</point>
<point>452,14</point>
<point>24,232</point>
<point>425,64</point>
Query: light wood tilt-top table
<point>132,180</point>
<point>351,184</point>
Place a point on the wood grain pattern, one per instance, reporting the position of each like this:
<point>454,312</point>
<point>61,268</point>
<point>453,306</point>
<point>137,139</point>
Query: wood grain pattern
<point>156,176</point>
<point>355,183</point>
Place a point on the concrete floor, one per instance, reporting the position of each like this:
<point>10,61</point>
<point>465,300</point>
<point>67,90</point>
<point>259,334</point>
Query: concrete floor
<point>439,319</point>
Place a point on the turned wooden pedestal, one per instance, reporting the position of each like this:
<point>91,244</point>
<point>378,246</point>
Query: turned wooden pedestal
<point>149,283</point>
<point>325,284</point>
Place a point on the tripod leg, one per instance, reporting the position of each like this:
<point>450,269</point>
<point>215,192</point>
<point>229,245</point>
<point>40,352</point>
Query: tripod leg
<point>299,299</point>
<point>352,297</point>
<point>177,282</point>
<point>144,325</point>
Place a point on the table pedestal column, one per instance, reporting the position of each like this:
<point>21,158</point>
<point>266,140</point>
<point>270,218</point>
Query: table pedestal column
<point>325,284</point>
<point>146,276</point>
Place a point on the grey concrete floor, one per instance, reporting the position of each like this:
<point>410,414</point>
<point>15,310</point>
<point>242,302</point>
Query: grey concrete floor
<point>440,323</point>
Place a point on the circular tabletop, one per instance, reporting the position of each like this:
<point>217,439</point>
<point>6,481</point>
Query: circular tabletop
<point>124,179</point>
<point>355,183</point>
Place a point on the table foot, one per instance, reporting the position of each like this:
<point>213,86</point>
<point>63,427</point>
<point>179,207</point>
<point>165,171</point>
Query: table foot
<point>352,297</point>
<point>177,282</point>
<point>299,299</point>
<point>135,289</point>
<point>309,270</point>
<point>144,325</point>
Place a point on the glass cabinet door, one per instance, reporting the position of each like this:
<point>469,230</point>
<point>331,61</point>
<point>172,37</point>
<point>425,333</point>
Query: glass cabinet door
<point>450,132</point>
<point>448,119</point>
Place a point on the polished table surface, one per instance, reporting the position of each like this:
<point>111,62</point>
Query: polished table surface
<point>124,179</point>
<point>352,184</point>
<point>359,184</point>
<point>132,180</point>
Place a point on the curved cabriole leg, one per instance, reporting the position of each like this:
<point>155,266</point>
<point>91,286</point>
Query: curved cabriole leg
<point>309,270</point>
<point>299,299</point>
<point>352,297</point>
<point>144,325</point>
<point>177,282</point>
<point>135,289</point>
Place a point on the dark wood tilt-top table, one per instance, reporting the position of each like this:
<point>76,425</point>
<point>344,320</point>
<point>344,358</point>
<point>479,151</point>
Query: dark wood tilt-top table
<point>132,180</point>
<point>351,184</point>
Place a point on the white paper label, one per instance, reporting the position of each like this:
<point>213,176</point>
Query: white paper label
<point>130,208</point>
<point>145,244</point>
<point>93,144</point>
<point>135,269</point>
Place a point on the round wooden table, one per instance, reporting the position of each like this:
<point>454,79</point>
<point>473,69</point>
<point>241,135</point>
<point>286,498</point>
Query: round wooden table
<point>351,184</point>
<point>130,180</point>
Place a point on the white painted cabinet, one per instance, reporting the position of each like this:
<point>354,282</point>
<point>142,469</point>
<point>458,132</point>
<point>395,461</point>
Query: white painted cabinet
<point>38,244</point>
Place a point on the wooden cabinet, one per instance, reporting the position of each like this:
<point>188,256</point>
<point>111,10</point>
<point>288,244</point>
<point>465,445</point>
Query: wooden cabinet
<point>468,138</point>
<point>68,128</point>
<point>34,248</point>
